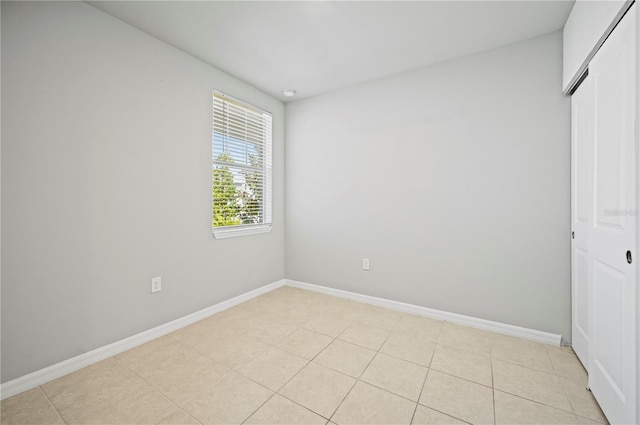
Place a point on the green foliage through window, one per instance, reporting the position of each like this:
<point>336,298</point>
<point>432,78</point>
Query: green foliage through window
<point>241,173</point>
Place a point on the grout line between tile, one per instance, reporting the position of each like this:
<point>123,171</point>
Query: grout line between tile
<point>429,407</point>
<point>305,407</point>
<point>556,377</point>
<point>296,374</point>
<point>51,404</point>
<point>262,385</point>
<point>358,378</point>
<point>343,399</point>
<point>540,403</point>
<point>257,408</point>
<point>459,377</point>
<point>415,409</point>
<point>122,364</point>
<point>183,411</point>
<point>152,387</point>
<point>493,388</point>
<point>566,394</point>
<point>527,367</point>
<point>337,371</point>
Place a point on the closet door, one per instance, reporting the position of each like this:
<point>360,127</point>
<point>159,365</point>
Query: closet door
<point>582,145</point>
<point>612,299</point>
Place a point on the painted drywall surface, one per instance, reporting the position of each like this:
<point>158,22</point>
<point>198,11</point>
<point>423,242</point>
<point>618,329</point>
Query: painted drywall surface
<point>106,168</point>
<point>583,32</point>
<point>453,180</point>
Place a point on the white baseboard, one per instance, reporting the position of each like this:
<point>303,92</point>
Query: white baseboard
<point>65,367</point>
<point>488,325</point>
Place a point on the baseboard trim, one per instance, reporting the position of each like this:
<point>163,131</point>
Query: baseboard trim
<point>65,367</point>
<point>488,325</point>
<point>73,364</point>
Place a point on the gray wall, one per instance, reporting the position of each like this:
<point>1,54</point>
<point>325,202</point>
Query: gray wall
<point>453,180</point>
<point>106,168</point>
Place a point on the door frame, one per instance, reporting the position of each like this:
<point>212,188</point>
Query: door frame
<point>637,212</point>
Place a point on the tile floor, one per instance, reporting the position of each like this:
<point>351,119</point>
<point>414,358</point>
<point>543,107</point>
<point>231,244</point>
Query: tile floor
<point>298,357</point>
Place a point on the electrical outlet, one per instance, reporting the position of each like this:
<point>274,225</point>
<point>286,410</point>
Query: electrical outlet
<point>156,284</point>
<point>365,264</point>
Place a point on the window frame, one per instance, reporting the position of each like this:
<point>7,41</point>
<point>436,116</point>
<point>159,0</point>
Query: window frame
<point>223,232</point>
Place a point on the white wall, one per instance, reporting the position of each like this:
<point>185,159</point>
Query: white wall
<point>106,168</point>
<point>453,180</point>
<point>588,25</point>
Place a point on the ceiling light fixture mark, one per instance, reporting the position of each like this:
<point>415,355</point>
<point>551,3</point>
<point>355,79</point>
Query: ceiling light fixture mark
<point>288,92</point>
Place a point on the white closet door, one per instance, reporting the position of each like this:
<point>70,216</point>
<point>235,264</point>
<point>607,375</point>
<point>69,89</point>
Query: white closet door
<point>612,300</point>
<point>582,144</point>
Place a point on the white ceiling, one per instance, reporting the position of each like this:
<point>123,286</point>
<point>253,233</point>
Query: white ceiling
<point>320,46</point>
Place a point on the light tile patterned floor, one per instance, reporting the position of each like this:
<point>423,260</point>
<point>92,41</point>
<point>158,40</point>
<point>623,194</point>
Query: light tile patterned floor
<point>298,357</point>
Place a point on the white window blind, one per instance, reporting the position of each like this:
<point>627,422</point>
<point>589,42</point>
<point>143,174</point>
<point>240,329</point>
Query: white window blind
<point>241,172</point>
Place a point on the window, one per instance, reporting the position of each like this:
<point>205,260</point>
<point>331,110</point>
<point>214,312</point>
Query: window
<point>241,174</point>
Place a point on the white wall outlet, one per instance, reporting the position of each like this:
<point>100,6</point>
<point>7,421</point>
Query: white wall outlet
<point>365,264</point>
<point>156,284</point>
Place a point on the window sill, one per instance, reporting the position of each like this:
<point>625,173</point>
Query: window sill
<point>223,233</point>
